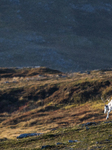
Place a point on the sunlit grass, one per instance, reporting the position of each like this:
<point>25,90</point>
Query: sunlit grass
<point>57,106</point>
<point>97,105</point>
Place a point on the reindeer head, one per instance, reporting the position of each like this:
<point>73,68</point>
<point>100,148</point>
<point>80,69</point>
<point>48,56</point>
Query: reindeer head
<point>106,108</point>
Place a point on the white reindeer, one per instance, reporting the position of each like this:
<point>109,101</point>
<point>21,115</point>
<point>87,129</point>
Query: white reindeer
<point>108,108</point>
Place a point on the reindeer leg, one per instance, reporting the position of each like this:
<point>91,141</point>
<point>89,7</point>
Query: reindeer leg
<point>107,115</point>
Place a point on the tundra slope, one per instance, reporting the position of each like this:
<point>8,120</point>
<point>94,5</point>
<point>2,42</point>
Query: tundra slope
<point>64,107</point>
<point>38,100</point>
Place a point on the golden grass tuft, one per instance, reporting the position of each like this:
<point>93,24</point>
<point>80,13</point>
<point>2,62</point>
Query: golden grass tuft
<point>97,105</point>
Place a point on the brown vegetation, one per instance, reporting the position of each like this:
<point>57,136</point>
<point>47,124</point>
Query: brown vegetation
<point>41,101</point>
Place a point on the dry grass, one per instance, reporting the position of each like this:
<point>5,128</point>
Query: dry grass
<point>53,101</point>
<point>45,122</point>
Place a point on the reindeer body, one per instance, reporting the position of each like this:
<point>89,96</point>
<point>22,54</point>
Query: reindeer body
<point>108,108</point>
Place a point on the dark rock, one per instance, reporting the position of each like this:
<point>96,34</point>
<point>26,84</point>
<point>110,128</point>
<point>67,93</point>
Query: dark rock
<point>107,140</point>
<point>108,122</point>
<point>71,141</point>
<point>87,128</point>
<point>88,124</point>
<point>53,129</point>
<point>27,135</point>
<point>3,139</point>
<point>110,135</point>
<point>45,146</point>
<point>59,143</point>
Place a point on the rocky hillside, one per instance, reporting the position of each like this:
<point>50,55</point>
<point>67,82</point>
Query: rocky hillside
<point>57,110</point>
<point>66,35</point>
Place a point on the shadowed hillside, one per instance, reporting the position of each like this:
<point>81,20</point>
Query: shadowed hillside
<point>66,35</point>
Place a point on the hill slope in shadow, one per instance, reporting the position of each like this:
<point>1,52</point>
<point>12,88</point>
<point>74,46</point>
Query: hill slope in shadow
<point>64,35</point>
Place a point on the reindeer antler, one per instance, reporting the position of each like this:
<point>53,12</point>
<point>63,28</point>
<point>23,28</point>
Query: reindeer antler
<point>107,99</point>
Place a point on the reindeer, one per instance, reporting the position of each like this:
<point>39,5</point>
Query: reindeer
<point>108,108</point>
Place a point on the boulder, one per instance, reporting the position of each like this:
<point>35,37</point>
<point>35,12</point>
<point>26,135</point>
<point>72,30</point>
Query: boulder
<point>27,135</point>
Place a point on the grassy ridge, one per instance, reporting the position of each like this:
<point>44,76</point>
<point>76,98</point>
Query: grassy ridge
<point>87,137</point>
<point>47,101</point>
